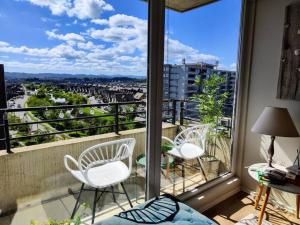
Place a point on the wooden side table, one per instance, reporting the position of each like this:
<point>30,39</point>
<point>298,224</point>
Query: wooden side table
<point>288,187</point>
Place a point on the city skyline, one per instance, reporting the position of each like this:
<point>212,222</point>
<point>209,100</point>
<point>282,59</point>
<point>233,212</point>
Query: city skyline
<point>110,37</point>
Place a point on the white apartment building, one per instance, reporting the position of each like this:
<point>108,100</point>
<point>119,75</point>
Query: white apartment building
<point>179,82</point>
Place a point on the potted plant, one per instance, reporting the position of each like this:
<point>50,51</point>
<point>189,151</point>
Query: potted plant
<point>164,149</point>
<point>210,107</point>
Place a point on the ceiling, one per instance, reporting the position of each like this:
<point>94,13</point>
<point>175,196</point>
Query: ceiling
<point>185,5</point>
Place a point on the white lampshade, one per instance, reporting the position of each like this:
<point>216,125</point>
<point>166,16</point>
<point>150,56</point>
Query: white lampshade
<point>275,122</point>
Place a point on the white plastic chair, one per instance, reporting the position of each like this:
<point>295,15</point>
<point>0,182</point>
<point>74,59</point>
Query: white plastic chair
<point>101,166</point>
<point>189,144</point>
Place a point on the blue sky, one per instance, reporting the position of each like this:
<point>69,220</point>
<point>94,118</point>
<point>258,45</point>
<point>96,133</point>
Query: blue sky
<point>110,36</point>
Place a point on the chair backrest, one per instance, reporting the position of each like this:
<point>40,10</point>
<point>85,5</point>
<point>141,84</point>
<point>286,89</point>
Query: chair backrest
<point>195,135</point>
<point>107,152</point>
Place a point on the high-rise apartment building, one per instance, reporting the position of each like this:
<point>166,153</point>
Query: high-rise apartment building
<point>179,82</point>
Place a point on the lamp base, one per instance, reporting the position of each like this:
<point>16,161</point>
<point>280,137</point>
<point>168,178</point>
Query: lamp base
<point>271,151</point>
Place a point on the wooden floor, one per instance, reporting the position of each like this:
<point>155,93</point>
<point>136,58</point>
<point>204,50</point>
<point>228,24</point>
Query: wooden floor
<point>240,205</point>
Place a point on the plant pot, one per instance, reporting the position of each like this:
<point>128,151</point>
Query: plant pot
<point>210,166</point>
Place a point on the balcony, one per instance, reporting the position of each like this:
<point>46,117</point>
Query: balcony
<point>48,190</point>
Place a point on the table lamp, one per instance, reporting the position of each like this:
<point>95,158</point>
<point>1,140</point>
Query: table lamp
<point>275,121</point>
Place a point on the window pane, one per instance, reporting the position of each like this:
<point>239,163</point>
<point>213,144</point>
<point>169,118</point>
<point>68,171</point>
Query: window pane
<point>199,88</point>
<point>83,65</point>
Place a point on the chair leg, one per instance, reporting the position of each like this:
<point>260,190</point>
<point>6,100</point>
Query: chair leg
<point>174,178</point>
<point>77,201</point>
<point>102,192</point>
<point>94,206</point>
<point>127,196</point>
<point>201,168</point>
<point>113,194</point>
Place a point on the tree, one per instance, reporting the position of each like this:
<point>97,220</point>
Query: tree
<point>130,116</point>
<point>210,99</point>
<point>24,129</point>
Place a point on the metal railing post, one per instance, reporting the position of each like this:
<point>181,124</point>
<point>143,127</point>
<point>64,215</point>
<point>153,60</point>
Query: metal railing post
<point>3,105</point>
<point>181,112</point>
<point>117,118</point>
<point>6,130</point>
<point>173,111</point>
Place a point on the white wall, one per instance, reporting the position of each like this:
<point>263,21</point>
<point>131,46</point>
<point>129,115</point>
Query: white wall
<point>263,85</point>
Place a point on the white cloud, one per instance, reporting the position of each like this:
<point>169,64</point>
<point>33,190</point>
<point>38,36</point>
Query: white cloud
<point>176,51</point>
<point>57,7</point>
<point>66,51</point>
<point>231,67</point>
<point>129,34</point>
<point>114,34</point>
<point>64,37</point>
<point>82,9</point>
<point>100,21</point>
<point>60,51</point>
<point>88,9</point>
<point>89,46</point>
<point>120,46</point>
<point>3,44</point>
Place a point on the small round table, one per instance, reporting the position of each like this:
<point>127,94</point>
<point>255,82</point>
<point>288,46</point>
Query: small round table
<point>287,187</point>
<point>141,161</point>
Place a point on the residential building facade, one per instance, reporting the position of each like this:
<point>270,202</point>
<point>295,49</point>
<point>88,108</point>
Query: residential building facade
<point>179,83</point>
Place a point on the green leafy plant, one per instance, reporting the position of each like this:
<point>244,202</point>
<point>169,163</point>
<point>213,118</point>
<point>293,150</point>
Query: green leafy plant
<point>210,101</point>
<point>23,129</point>
<point>165,148</point>
<point>76,221</point>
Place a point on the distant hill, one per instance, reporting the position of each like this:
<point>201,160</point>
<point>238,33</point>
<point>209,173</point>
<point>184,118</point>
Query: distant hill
<point>54,76</point>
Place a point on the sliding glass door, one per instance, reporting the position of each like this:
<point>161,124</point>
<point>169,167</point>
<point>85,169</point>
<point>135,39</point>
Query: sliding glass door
<point>199,90</point>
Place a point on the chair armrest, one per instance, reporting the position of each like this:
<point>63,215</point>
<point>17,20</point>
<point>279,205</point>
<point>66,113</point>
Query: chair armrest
<point>68,157</point>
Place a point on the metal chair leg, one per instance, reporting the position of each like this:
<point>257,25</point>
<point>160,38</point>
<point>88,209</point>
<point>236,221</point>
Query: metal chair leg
<point>113,194</point>
<point>201,168</point>
<point>126,194</point>
<point>102,192</point>
<point>174,178</point>
<point>77,201</point>
<point>94,206</point>
<point>183,177</point>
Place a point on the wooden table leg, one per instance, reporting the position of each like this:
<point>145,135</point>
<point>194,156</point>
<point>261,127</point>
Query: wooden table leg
<point>297,206</point>
<point>260,190</point>
<point>263,207</point>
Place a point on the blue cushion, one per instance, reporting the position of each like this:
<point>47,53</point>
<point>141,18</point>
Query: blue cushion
<point>185,216</point>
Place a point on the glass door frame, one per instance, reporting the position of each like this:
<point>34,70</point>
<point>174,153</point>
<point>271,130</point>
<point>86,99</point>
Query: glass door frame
<point>156,33</point>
